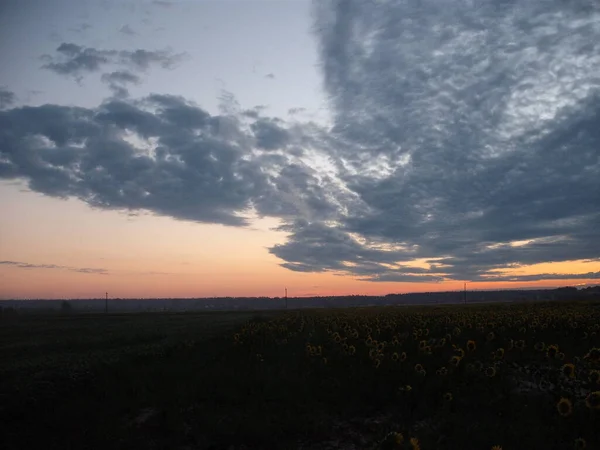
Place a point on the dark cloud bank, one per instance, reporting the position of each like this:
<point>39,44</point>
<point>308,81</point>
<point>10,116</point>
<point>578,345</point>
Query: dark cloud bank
<point>465,137</point>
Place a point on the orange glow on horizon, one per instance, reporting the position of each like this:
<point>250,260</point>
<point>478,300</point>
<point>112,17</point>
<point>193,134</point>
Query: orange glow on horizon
<point>147,256</point>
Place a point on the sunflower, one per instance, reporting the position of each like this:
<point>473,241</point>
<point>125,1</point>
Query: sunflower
<point>497,447</point>
<point>490,372</point>
<point>540,346</point>
<point>422,372</point>
<point>418,367</point>
<point>580,444</point>
<point>422,345</point>
<point>520,344</point>
<point>592,401</point>
<point>499,353</point>
<point>560,356</point>
<point>471,345</point>
<point>552,351</point>
<point>460,352</point>
<point>564,407</point>
<point>448,396</point>
<point>351,350</point>
<point>568,370</point>
<point>414,442</point>
<point>403,356</point>
<point>593,355</point>
<point>490,336</point>
<point>395,356</point>
<point>455,361</point>
<point>594,376</point>
<point>398,438</point>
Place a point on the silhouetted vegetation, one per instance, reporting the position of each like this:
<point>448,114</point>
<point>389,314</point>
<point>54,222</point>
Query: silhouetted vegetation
<point>519,375</point>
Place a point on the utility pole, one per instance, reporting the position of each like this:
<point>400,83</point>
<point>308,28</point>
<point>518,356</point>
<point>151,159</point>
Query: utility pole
<point>106,304</point>
<point>465,296</point>
<point>286,306</point>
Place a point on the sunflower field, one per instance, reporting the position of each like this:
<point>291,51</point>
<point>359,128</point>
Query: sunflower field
<point>492,377</point>
<point>511,376</point>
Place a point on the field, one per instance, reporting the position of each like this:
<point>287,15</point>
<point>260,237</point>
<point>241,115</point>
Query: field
<point>516,376</point>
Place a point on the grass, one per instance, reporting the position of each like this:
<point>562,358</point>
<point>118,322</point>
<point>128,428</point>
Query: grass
<point>302,379</point>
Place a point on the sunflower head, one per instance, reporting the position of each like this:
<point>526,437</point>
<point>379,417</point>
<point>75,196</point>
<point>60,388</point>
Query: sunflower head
<point>398,438</point>
<point>471,345</point>
<point>490,336</point>
<point>568,370</point>
<point>490,372</point>
<point>520,344</point>
<point>580,444</point>
<point>448,396</point>
<point>592,401</point>
<point>418,367</point>
<point>540,346</point>
<point>552,351</point>
<point>497,447</point>
<point>414,444</point>
<point>499,353</point>
<point>455,360</point>
<point>403,356</point>
<point>593,355</point>
<point>595,376</point>
<point>564,407</point>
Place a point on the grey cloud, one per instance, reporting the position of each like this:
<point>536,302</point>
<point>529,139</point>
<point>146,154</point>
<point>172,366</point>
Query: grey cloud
<point>162,3</point>
<point>7,98</point>
<point>75,60</point>
<point>269,134</point>
<point>447,137</point>
<point>22,265</point>
<point>117,81</point>
<point>82,28</point>
<point>143,59</point>
<point>270,75</point>
<point>193,166</point>
<point>127,30</point>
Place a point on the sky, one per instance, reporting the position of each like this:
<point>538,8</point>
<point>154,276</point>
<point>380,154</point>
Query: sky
<point>206,148</point>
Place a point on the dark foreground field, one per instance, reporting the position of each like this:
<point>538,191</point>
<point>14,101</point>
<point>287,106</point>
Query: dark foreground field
<point>454,377</point>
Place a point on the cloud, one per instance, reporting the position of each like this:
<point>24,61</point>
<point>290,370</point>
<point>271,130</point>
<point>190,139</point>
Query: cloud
<point>163,4</point>
<point>270,75</point>
<point>118,81</point>
<point>160,154</point>
<point>452,127</point>
<point>22,265</point>
<point>269,134</point>
<point>127,30</point>
<point>82,28</point>
<point>74,60</point>
<point>7,98</point>
<point>463,138</point>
